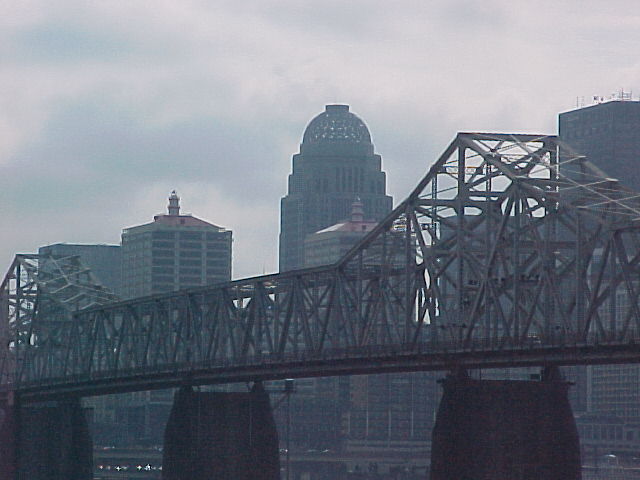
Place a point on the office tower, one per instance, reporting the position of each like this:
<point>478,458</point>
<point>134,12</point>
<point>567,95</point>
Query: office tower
<point>608,134</point>
<point>320,405</point>
<point>390,413</point>
<point>173,252</point>
<point>336,164</point>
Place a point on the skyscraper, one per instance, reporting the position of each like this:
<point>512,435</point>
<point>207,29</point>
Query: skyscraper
<point>377,413</point>
<point>336,164</point>
<point>608,134</point>
<point>173,252</point>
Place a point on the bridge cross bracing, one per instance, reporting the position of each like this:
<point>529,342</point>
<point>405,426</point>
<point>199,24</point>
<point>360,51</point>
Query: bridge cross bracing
<point>512,250</point>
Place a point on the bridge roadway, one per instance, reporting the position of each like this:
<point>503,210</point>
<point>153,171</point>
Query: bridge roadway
<point>363,360</point>
<point>511,251</point>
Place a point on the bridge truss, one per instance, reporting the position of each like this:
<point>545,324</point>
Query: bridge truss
<point>511,251</point>
<point>43,289</point>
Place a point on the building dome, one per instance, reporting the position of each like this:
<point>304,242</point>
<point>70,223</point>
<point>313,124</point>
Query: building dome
<point>336,125</point>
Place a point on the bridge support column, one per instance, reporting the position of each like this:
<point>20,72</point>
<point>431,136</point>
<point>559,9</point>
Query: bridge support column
<point>54,442</point>
<point>221,435</point>
<point>491,429</point>
<point>8,437</point>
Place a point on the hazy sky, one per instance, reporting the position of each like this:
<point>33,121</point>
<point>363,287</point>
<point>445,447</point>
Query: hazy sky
<point>107,106</point>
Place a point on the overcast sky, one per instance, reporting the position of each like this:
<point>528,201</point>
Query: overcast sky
<point>107,106</point>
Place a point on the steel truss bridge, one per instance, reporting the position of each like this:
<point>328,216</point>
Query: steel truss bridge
<point>511,251</point>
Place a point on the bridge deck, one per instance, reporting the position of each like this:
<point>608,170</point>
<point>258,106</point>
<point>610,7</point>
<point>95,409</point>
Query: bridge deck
<point>511,251</point>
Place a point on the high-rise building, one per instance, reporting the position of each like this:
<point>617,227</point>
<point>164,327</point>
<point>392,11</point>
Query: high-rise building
<point>173,252</point>
<point>608,134</point>
<point>369,414</point>
<point>336,164</point>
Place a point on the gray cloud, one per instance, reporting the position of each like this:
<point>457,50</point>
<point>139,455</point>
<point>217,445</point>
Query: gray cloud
<point>69,43</point>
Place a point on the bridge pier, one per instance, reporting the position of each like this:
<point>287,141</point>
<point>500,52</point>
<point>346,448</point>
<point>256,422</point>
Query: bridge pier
<point>496,430</point>
<point>8,434</point>
<point>53,442</point>
<point>221,435</point>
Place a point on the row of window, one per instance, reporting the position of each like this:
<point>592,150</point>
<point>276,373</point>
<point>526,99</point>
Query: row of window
<point>604,432</point>
<point>189,235</point>
<point>187,262</point>
<point>192,245</point>
<point>184,254</point>
<point>185,279</point>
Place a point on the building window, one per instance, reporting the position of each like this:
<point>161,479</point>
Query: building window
<point>191,235</point>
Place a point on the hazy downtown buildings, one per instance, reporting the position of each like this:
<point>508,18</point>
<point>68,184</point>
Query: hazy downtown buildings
<point>173,252</point>
<point>335,165</point>
<point>330,244</point>
<point>102,260</point>
<point>369,414</point>
<point>608,134</point>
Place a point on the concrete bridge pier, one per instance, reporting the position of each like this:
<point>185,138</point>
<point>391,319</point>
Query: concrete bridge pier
<point>497,430</point>
<point>53,442</point>
<point>8,437</point>
<point>221,435</point>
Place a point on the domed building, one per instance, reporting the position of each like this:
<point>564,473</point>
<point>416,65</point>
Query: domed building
<point>336,164</point>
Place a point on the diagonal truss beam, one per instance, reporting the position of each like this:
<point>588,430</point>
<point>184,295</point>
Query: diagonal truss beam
<point>511,250</point>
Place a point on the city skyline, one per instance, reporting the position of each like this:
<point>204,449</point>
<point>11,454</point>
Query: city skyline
<point>113,106</point>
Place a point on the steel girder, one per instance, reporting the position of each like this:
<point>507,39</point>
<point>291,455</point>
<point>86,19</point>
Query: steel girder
<point>512,250</point>
<point>38,297</point>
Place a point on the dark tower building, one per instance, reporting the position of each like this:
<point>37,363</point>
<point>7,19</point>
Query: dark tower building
<point>335,165</point>
<point>607,133</point>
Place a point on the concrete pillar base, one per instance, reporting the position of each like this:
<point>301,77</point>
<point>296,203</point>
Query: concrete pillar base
<point>54,442</point>
<point>497,430</point>
<point>221,435</point>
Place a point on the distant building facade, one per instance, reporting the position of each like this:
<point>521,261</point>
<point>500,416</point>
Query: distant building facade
<point>367,414</point>
<point>329,244</point>
<point>608,134</point>
<point>173,252</point>
<point>102,260</point>
<point>392,412</point>
<point>336,164</point>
